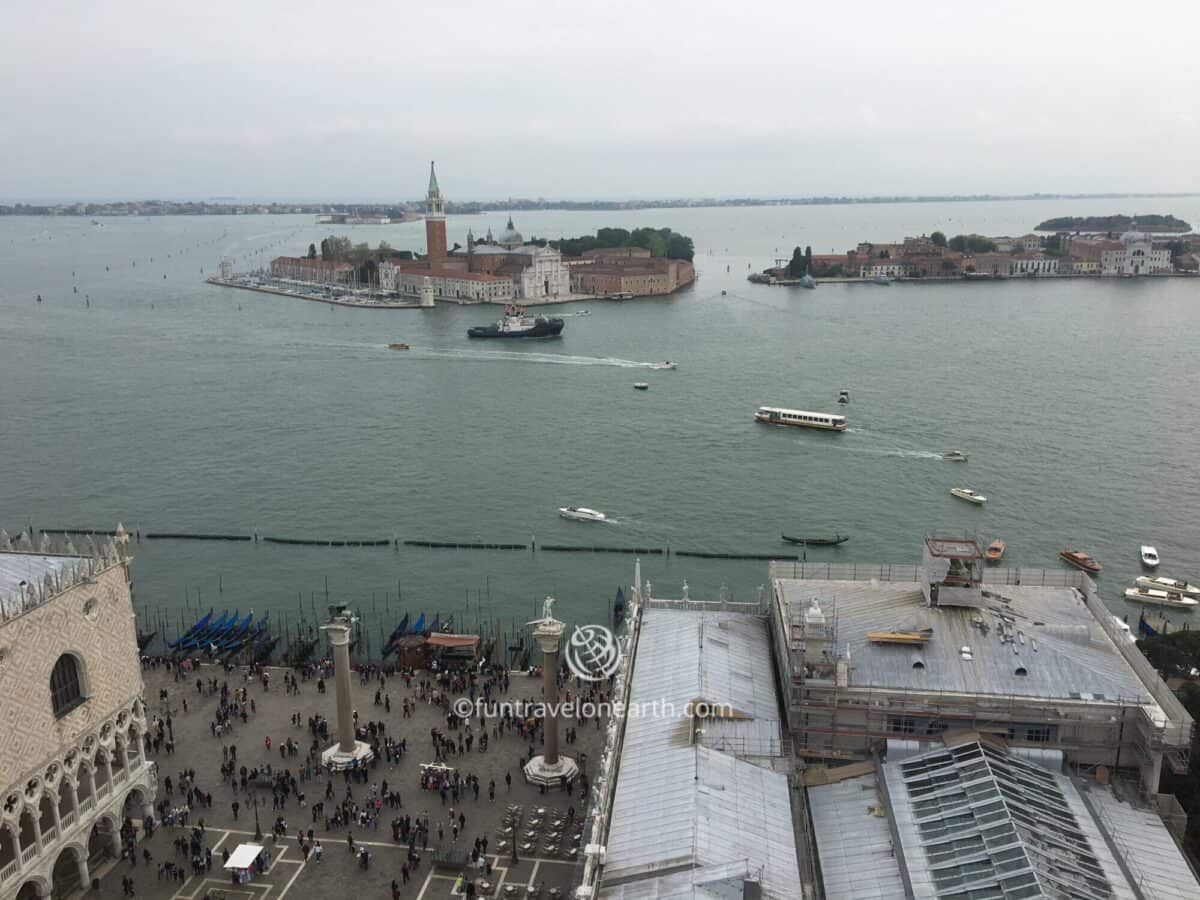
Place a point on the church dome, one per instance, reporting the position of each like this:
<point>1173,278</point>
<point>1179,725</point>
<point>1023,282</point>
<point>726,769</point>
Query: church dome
<point>1133,237</point>
<point>510,235</point>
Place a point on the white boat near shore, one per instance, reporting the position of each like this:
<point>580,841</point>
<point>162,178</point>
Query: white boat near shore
<point>1149,556</point>
<point>1160,598</point>
<point>582,514</point>
<point>969,495</point>
<point>1170,585</point>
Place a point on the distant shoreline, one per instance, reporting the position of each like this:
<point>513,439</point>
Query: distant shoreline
<point>148,208</point>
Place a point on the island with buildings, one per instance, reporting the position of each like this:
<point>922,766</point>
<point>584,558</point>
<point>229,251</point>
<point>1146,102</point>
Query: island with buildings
<point>972,256</point>
<point>503,268</point>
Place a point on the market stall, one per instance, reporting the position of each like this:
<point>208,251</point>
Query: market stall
<point>247,861</point>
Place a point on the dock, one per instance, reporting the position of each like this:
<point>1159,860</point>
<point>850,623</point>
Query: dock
<point>364,303</point>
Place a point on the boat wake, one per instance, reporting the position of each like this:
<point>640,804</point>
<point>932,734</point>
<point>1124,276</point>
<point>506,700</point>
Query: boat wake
<point>516,356</point>
<point>900,452</point>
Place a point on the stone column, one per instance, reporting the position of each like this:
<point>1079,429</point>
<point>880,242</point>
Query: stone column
<point>347,751</point>
<point>85,877</point>
<point>547,640</point>
<point>339,638</point>
<point>549,769</point>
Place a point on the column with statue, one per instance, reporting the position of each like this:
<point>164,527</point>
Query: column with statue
<point>549,769</point>
<point>348,751</point>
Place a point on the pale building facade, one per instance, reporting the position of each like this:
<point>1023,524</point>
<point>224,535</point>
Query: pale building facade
<point>544,277</point>
<point>73,765</point>
<point>1134,255</point>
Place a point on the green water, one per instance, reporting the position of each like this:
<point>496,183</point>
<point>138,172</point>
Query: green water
<point>177,406</point>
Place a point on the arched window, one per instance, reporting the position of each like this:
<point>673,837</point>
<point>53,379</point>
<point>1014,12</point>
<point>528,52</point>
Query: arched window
<point>65,690</point>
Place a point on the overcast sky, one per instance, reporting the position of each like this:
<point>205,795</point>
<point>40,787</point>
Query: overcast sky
<point>303,100</point>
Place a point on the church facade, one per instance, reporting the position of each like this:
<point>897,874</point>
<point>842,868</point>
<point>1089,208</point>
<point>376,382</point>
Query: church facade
<point>492,270</point>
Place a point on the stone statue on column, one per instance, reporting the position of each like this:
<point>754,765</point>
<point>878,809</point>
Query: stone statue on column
<point>348,751</point>
<point>549,769</point>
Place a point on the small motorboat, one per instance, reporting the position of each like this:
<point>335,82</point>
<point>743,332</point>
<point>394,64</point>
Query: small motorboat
<point>641,386</point>
<point>881,279</point>
<point>582,514</point>
<point>1080,560</point>
<point>995,551</point>
<point>807,281</point>
<point>1169,584</point>
<point>969,495</point>
<point>954,456</point>
<point>398,346</point>
<point>722,293</point>
<point>843,396</point>
<point>662,366</point>
<point>1149,556</point>
<point>817,541</point>
<point>1160,598</point>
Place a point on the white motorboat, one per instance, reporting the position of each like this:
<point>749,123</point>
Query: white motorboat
<point>969,495</point>
<point>1159,583</point>
<point>664,365</point>
<point>955,456</point>
<point>641,386</point>
<point>1160,598</point>
<point>1149,556</point>
<point>582,514</point>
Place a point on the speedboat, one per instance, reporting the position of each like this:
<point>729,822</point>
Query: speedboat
<point>397,346</point>
<point>969,495</point>
<point>1169,584</point>
<point>664,365</point>
<point>881,279</point>
<point>995,550</point>
<point>954,456</point>
<point>1149,556</point>
<point>807,281</point>
<point>843,396</point>
<point>1080,560</point>
<point>582,514</point>
<point>1160,598</point>
<point>641,386</point>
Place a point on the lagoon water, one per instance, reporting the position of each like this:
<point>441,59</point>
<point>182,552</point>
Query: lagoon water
<point>173,405</point>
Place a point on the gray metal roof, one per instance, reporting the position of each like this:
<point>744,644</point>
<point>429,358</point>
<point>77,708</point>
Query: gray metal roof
<point>1026,641</point>
<point>1153,859</point>
<point>854,844</point>
<point>31,568</point>
<point>974,821</point>
<point>682,805</point>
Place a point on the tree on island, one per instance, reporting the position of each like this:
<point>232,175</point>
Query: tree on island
<point>938,238</point>
<point>797,267</point>
<point>971,243</point>
<point>312,251</point>
<point>662,242</point>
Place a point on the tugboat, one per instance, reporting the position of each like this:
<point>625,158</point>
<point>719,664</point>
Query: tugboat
<point>516,324</point>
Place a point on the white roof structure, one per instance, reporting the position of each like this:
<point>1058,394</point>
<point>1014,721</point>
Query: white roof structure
<point>858,860</point>
<point>244,856</point>
<point>691,816</point>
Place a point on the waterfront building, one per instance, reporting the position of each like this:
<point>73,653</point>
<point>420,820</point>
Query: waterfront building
<point>1134,254</point>
<point>318,269</point>
<point>73,764</point>
<point>886,267</point>
<point>611,270</point>
<point>870,654</point>
<point>1033,264</point>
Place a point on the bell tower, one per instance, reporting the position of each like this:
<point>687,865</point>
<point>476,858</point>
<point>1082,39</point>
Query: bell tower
<point>435,220</point>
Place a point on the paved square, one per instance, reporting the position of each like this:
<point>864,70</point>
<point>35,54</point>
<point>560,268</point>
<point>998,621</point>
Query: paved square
<point>548,826</point>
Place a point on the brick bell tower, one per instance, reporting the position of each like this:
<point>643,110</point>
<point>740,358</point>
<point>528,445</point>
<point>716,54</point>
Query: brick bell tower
<point>435,220</point>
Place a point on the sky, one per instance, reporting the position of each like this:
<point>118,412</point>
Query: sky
<point>307,101</point>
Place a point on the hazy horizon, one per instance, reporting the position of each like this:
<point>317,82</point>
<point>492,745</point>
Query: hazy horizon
<point>283,102</point>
